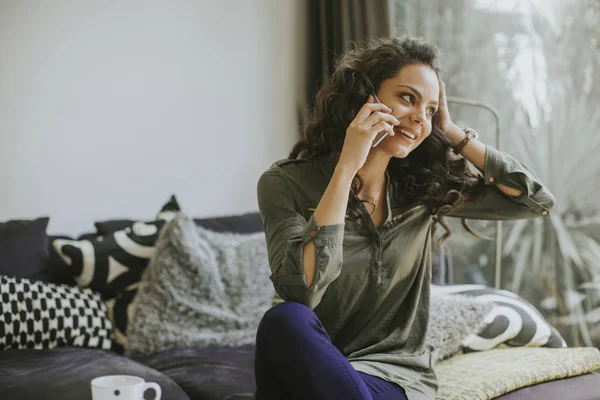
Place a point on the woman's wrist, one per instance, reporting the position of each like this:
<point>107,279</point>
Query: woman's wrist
<point>455,135</point>
<point>344,173</point>
<point>331,209</point>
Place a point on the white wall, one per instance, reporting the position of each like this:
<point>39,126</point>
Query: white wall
<point>109,107</point>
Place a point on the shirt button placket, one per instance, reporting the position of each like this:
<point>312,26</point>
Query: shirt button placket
<point>376,264</point>
<point>377,270</point>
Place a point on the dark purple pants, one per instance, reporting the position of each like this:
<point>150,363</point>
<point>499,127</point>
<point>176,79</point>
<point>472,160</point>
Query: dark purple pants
<point>295,359</point>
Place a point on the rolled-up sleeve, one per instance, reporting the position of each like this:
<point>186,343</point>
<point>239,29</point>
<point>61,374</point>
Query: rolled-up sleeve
<point>286,232</point>
<point>501,168</point>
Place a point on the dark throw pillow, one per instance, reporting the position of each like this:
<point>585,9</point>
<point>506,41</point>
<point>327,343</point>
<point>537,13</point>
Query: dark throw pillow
<point>112,265</point>
<point>24,248</point>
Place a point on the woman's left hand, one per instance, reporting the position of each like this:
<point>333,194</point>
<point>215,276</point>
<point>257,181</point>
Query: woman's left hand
<point>446,124</point>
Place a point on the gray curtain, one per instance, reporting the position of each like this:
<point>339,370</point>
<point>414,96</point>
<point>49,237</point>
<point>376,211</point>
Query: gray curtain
<point>336,26</point>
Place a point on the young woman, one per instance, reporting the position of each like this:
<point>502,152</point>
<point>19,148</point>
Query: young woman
<point>349,227</point>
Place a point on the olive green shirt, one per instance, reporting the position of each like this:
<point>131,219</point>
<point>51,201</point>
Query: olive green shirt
<point>372,284</point>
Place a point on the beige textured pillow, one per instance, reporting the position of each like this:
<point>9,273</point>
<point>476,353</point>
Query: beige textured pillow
<point>492,373</point>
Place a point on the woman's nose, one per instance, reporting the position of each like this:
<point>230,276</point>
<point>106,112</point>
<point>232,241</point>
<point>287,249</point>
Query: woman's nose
<point>419,116</point>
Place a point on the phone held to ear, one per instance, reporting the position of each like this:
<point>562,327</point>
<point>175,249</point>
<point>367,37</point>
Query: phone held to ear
<point>381,135</point>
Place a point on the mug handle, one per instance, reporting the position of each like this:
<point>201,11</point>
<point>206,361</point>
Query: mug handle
<point>156,387</point>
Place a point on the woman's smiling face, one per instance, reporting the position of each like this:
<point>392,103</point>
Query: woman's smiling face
<point>413,95</point>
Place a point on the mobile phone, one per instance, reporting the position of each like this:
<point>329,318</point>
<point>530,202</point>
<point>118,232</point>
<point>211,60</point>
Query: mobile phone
<point>381,135</point>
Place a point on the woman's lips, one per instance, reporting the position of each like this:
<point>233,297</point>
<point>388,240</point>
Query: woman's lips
<point>405,133</point>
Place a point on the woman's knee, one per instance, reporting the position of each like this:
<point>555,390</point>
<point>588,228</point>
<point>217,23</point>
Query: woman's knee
<point>286,317</point>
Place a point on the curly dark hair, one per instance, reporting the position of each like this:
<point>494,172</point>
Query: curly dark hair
<point>431,173</point>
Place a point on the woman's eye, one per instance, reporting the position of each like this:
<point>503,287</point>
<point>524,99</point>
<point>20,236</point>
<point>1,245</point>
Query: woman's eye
<point>408,97</point>
<point>432,110</point>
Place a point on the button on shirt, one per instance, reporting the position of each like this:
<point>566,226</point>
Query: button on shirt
<point>372,284</point>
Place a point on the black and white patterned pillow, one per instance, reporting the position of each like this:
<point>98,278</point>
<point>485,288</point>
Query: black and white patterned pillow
<point>112,265</point>
<point>39,315</point>
<point>513,321</point>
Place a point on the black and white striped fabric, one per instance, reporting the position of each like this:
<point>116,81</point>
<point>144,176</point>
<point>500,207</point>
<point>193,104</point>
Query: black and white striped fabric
<point>513,321</point>
<point>40,315</point>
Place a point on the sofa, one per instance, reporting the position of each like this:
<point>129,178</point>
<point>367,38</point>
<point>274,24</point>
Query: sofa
<point>507,371</point>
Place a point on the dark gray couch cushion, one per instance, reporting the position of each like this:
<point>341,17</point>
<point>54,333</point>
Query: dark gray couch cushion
<point>207,374</point>
<point>65,374</point>
<point>581,387</point>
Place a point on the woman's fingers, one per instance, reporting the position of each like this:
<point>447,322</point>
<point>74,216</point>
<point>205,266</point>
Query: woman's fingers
<point>380,116</point>
<point>360,134</point>
<point>368,108</point>
<point>442,99</point>
<point>382,126</point>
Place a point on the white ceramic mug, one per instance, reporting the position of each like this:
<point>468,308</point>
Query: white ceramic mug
<point>122,387</point>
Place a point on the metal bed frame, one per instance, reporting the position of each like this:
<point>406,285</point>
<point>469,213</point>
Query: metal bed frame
<point>498,242</point>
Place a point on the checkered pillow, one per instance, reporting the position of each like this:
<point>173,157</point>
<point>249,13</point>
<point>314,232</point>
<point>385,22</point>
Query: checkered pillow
<point>39,315</point>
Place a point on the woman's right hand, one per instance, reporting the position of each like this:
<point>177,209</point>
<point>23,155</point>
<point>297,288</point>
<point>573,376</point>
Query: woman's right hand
<point>371,119</point>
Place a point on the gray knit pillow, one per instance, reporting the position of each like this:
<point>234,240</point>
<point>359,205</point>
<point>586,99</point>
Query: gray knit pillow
<point>452,318</point>
<point>201,288</point>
